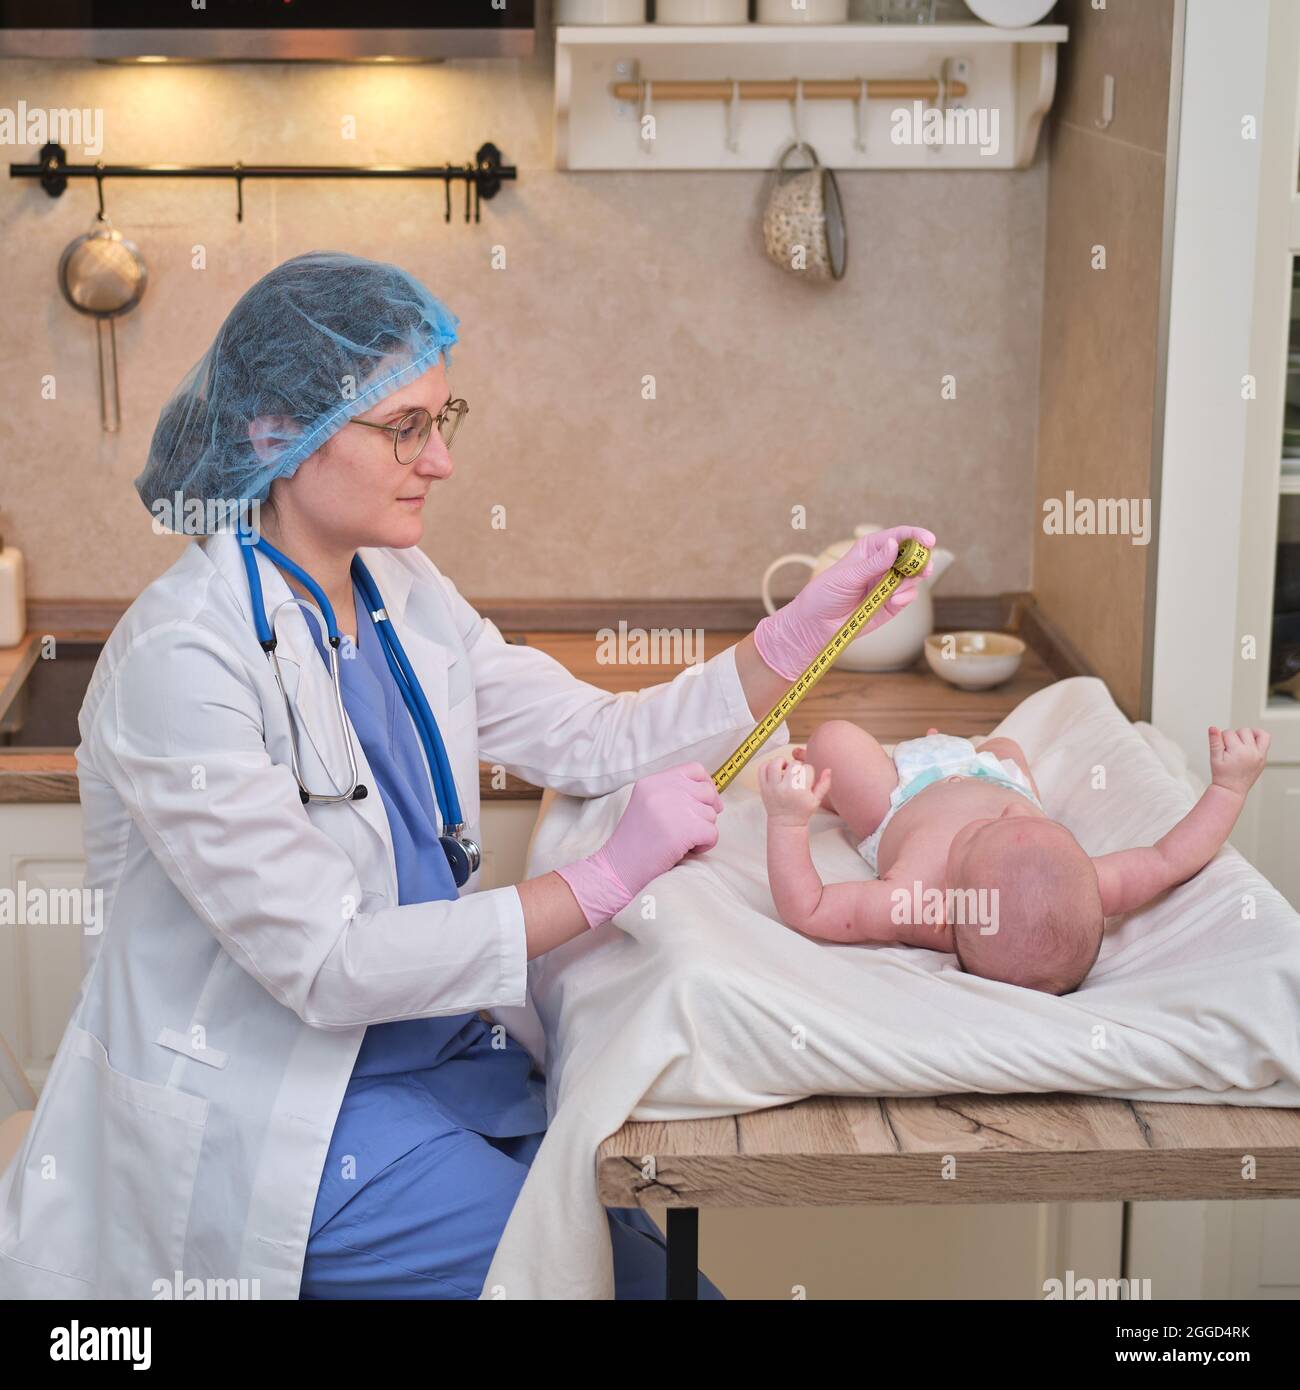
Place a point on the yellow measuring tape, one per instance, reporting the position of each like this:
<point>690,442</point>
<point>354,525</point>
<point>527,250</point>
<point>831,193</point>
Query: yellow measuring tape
<point>911,559</point>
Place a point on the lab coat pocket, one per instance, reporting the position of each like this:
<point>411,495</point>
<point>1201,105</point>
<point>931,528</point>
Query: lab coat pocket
<point>108,1175</point>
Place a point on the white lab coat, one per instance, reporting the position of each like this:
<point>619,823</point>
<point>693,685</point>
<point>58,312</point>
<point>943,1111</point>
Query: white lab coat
<point>248,940</point>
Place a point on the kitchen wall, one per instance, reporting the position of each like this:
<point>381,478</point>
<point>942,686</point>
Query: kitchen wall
<point>771,393</point>
<point>1101,329</point>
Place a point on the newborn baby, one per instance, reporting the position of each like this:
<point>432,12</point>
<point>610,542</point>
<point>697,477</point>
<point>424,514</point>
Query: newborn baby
<point>965,858</point>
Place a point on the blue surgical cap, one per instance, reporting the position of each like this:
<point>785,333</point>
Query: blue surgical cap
<point>318,340</point>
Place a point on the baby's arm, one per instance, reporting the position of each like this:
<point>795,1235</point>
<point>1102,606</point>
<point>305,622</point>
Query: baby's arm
<point>858,911</point>
<point>1133,877</point>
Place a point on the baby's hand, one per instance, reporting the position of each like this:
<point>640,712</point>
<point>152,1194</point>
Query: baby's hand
<point>788,793</point>
<point>1237,757</point>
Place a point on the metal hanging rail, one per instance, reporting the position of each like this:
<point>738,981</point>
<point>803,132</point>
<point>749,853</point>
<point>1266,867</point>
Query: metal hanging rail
<point>483,176</point>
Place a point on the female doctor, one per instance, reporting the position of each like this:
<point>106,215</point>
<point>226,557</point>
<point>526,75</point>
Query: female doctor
<point>276,1069</point>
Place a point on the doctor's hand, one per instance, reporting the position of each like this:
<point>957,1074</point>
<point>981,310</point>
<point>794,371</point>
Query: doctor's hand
<point>790,638</point>
<point>669,815</point>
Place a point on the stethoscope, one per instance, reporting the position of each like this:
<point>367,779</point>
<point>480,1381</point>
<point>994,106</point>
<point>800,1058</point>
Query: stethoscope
<point>463,855</point>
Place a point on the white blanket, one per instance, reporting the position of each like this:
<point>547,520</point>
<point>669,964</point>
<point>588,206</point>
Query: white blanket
<point>695,1013</point>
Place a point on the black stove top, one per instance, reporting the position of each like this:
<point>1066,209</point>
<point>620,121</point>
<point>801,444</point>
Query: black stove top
<point>43,711</point>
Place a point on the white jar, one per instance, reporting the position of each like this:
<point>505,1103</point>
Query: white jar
<point>600,12</point>
<point>910,11</point>
<point>702,11</point>
<point>13,596</point>
<point>810,12</point>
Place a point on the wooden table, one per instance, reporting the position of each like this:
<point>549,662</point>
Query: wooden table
<point>958,1149</point>
<point>893,705</point>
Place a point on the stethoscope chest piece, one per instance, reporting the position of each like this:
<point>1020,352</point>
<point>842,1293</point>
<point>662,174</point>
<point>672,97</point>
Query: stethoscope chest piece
<point>463,855</point>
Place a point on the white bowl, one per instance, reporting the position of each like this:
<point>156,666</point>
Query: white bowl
<point>1010,14</point>
<point>977,660</point>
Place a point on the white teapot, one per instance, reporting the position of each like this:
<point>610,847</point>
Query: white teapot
<point>897,644</point>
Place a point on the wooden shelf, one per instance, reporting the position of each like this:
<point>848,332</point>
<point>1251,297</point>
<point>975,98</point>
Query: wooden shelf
<point>1010,76</point>
<point>779,35</point>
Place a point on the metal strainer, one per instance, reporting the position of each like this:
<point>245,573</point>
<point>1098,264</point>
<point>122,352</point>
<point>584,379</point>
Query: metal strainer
<point>103,275</point>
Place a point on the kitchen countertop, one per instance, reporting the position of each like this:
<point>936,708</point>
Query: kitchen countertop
<point>893,705</point>
<point>15,662</point>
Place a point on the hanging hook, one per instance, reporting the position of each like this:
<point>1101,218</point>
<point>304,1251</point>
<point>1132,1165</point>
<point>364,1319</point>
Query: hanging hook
<point>647,114</point>
<point>478,174</point>
<point>860,116</point>
<point>446,188</point>
<point>101,215</point>
<point>1107,103</point>
<point>469,170</point>
<point>941,103</point>
<point>796,114</point>
<point>733,118</point>
<point>239,191</point>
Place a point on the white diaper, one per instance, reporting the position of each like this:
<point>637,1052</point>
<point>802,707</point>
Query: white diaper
<point>921,761</point>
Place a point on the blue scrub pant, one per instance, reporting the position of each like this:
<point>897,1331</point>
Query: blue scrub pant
<point>428,1225</point>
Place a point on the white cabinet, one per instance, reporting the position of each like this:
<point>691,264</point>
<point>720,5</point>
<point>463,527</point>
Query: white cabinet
<point>42,860</point>
<point>1275,842</point>
<point>507,828</point>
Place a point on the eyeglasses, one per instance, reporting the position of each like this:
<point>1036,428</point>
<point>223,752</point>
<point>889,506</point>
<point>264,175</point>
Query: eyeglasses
<point>411,432</point>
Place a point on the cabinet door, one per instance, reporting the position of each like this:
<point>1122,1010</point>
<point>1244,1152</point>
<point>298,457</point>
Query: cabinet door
<point>908,1252</point>
<point>1276,827</point>
<point>507,828</point>
<point>1192,1250</point>
<point>42,872</point>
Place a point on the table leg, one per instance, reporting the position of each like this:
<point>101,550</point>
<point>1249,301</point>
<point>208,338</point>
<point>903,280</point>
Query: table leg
<point>683,1252</point>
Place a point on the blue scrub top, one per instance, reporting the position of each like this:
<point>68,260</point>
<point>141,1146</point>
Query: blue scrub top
<point>415,1078</point>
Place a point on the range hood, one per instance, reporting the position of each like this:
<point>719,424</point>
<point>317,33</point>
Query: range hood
<point>267,30</point>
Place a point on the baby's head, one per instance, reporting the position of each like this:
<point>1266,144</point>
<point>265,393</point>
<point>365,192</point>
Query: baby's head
<point>1046,913</point>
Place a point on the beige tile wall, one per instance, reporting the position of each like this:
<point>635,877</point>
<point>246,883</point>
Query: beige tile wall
<point>771,393</point>
<point>1099,347</point>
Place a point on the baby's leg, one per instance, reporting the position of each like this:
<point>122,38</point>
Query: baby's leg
<point>1008,748</point>
<point>862,773</point>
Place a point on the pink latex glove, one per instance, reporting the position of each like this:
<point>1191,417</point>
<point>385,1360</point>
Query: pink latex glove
<point>790,638</point>
<point>669,814</point>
